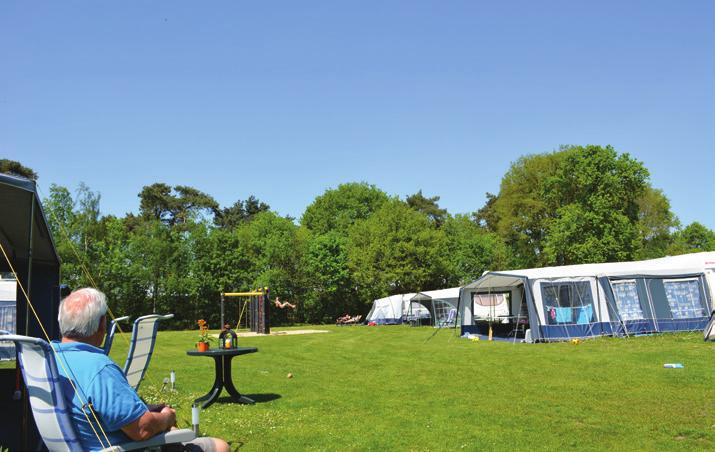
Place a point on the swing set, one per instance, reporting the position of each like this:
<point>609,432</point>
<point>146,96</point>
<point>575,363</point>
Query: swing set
<point>254,306</point>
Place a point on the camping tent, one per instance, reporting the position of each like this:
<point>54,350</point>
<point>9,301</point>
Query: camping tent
<point>667,294</point>
<point>395,309</point>
<point>27,241</point>
<point>439,303</point>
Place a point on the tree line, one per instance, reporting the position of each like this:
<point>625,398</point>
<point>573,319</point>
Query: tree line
<point>355,243</point>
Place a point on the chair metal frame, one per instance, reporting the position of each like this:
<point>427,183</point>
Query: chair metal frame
<point>111,331</point>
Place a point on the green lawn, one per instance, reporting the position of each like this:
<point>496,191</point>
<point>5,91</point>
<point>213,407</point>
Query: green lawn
<point>375,388</point>
<point>401,388</point>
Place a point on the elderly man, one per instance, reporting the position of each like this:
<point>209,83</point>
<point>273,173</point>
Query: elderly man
<point>102,384</point>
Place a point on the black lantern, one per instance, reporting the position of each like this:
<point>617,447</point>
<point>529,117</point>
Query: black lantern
<point>228,338</point>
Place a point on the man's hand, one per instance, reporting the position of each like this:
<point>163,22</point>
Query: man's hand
<point>170,414</point>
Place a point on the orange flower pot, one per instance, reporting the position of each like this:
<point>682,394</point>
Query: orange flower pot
<point>202,346</point>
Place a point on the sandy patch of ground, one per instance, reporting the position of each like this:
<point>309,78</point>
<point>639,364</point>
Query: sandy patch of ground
<point>277,333</point>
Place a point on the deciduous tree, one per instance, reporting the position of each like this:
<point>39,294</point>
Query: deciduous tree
<point>594,195</point>
<point>396,250</point>
<point>330,286</point>
<point>471,250</point>
<point>694,238</point>
<point>337,209</point>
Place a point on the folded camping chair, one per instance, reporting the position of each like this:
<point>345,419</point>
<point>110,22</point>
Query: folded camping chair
<point>450,320</point>
<point>50,408</point>
<point>141,347</point>
<point>110,333</point>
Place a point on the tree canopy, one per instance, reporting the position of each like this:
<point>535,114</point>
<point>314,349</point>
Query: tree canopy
<point>428,206</point>
<point>355,243</point>
<point>337,209</point>
<point>396,250</point>
<point>577,205</point>
<point>240,212</point>
<point>174,206</point>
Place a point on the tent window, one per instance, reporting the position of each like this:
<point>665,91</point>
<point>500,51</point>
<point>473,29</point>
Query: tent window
<point>441,310</point>
<point>567,302</point>
<point>489,299</point>
<point>490,305</point>
<point>684,298</point>
<point>627,301</point>
<point>418,311</point>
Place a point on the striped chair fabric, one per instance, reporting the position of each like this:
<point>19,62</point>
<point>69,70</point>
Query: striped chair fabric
<point>141,347</point>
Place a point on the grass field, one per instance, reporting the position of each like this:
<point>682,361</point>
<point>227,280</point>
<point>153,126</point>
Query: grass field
<point>403,388</point>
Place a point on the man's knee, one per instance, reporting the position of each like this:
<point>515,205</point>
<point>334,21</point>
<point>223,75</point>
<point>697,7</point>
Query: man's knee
<point>221,445</point>
<point>203,444</point>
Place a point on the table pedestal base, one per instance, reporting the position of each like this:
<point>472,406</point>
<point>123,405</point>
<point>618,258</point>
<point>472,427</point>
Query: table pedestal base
<point>222,380</point>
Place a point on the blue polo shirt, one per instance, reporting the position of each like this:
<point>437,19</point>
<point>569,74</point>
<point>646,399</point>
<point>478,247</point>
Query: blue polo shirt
<point>101,383</point>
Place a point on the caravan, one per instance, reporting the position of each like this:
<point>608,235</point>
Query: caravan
<point>578,301</point>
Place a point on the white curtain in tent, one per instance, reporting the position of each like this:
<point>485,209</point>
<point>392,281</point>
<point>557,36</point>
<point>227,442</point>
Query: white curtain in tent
<point>490,305</point>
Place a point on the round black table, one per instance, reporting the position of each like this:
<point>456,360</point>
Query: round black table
<point>222,358</point>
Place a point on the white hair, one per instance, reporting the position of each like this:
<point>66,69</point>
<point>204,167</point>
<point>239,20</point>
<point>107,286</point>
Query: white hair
<point>80,313</point>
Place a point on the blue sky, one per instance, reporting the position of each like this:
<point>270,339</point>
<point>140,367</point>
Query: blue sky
<point>283,100</point>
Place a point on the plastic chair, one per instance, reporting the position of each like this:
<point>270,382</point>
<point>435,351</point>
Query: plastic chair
<point>109,338</point>
<point>141,347</point>
<point>50,408</point>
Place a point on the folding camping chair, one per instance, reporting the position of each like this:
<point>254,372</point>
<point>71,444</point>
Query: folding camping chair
<point>450,320</point>
<point>109,338</point>
<point>49,405</point>
<point>141,347</point>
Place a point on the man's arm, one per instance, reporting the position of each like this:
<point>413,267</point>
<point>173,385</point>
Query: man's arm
<point>150,424</point>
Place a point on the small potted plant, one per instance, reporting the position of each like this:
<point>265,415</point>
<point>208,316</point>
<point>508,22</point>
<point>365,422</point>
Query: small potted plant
<point>204,339</point>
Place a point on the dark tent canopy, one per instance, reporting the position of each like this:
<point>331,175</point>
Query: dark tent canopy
<point>26,239</point>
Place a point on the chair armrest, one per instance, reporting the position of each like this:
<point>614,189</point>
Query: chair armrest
<point>170,437</point>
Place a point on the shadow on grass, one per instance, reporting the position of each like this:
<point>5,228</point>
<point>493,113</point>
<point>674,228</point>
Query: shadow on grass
<point>235,445</point>
<point>258,398</point>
